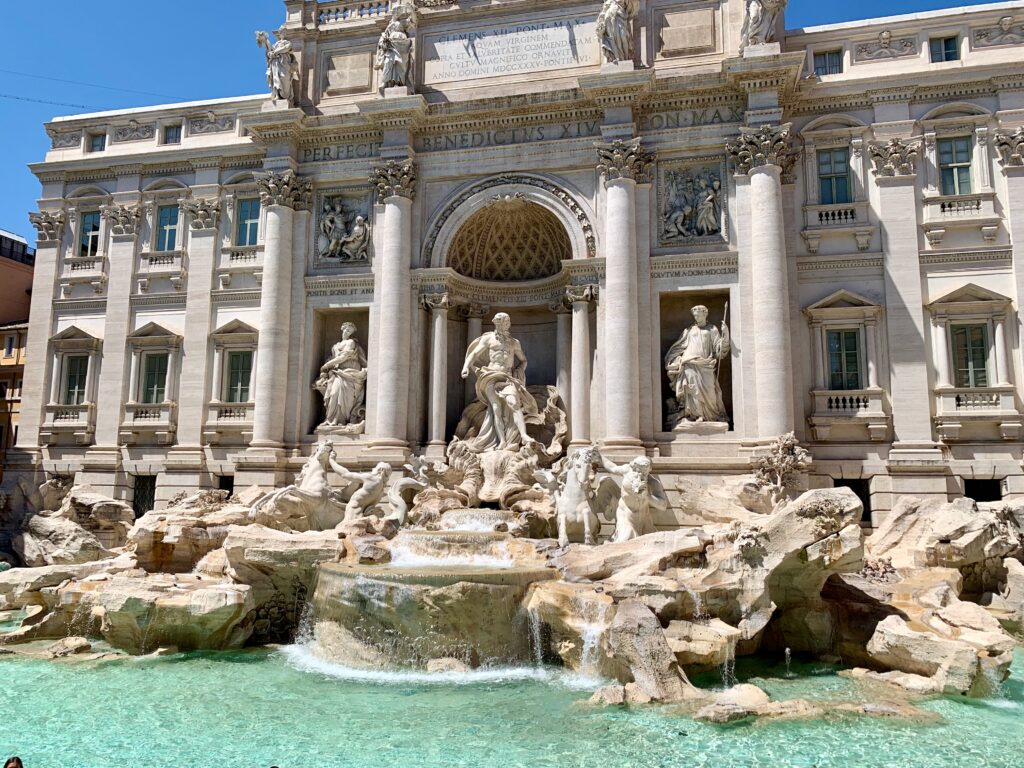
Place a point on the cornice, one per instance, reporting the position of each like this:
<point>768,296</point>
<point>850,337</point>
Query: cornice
<point>817,264</point>
<point>79,305</point>
<point>239,297</point>
<point>1000,255</point>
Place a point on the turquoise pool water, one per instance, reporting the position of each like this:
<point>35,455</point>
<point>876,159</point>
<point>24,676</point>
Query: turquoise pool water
<point>256,709</point>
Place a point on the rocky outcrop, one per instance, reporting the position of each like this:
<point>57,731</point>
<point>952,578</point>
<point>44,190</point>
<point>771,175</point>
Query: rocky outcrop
<point>107,519</point>
<point>175,539</point>
<point>281,568</point>
<point>23,587</point>
<point>646,555</point>
<point>1008,605</point>
<point>569,623</point>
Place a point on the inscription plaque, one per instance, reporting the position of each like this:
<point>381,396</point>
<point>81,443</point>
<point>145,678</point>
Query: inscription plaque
<point>533,46</point>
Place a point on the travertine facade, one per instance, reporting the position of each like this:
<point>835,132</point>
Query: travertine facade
<point>853,195</point>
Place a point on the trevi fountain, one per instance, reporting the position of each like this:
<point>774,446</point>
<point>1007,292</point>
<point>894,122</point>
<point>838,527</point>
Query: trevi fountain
<point>675,582</point>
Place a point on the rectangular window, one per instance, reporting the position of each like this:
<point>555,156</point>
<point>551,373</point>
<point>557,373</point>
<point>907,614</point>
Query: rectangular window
<point>248,222</point>
<point>955,165</point>
<point>945,49</point>
<point>89,241</point>
<point>76,370</point>
<point>154,378</point>
<point>3,390</point>
<point>9,346</point>
<point>172,134</point>
<point>144,496</point>
<point>828,63</point>
<point>834,176</point>
<point>970,355</point>
<point>166,227</point>
<point>97,142</point>
<point>844,359</point>
<point>239,373</point>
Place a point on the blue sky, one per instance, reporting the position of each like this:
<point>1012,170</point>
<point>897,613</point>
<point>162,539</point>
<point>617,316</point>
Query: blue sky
<point>158,52</point>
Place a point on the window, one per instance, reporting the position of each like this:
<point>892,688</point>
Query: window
<point>154,378</point>
<point>834,176</point>
<point>97,142</point>
<point>89,241</point>
<point>248,222</point>
<point>76,369</point>
<point>828,63</point>
<point>955,166</point>
<point>166,227</point>
<point>144,496</point>
<point>239,372</point>
<point>9,346</point>
<point>945,49</point>
<point>226,483</point>
<point>172,134</point>
<point>970,355</point>
<point>983,490</point>
<point>863,490</point>
<point>844,359</point>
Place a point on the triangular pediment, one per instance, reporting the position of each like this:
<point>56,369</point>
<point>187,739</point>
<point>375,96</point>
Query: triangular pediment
<point>234,327</point>
<point>152,331</point>
<point>73,333</point>
<point>971,294</point>
<point>843,299</point>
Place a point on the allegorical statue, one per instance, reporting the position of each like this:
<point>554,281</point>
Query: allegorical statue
<point>615,29</point>
<point>282,68</point>
<point>498,362</point>
<point>640,494</point>
<point>692,367</point>
<point>759,22</point>
<point>344,235</point>
<point>342,382</point>
<point>394,49</point>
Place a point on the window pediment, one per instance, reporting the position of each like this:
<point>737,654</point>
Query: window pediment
<point>970,299</point>
<point>843,305</point>
<point>74,338</point>
<point>235,332</point>
<point>153,334</point>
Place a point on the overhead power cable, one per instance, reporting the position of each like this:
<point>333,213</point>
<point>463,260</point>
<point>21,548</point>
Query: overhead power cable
<point>47,101</point>
<point>89,85</point>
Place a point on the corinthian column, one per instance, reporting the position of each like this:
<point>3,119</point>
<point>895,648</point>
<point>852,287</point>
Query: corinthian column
<point>622,163</point>
<point>580,297</point>
<point>281,193</point>
<point>437,305</point>
<point>396,183</point>
<point>764,154</point>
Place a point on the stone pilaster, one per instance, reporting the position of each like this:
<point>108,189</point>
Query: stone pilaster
<point>1011,161</point>
<point>395,181</point>
<point>764,154</point>
<point>282,193</point>
<point>623,164</point>
<point>580,296</point>
<point>475,314</point>
<point>437,305</point>
<point>563,351</point>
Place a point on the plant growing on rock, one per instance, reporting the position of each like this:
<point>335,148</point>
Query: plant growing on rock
<point>827,515</point>
<point>752,543</point>
<point>778,469</point>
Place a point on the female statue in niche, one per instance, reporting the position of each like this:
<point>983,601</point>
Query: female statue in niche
<point>342,382</point>
<point>692,367</point>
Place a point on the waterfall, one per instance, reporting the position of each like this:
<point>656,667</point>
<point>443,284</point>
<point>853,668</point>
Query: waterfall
<point>536,638</point>
<point>592,628</point>
<point>789,660</point>
<point>729,665</point>
<point>700,614</point>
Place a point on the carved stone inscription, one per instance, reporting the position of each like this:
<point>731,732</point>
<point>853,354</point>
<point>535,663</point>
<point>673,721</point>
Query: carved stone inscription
<point>510,49</point>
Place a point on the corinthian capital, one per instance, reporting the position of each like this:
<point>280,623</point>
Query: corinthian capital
<point>624,160</point>
<point>123,219</point>
<point>205,214</point>
<point>575,293</point>
<point>50,225</point>
<point>285,188</point>
<point>432,301</point>
<point>896,158</point>
<point>394,178</point>
<point>765,145</point>
<point>1010,147</point>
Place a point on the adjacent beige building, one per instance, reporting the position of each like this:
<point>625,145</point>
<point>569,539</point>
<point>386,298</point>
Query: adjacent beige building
<point>851,195</point>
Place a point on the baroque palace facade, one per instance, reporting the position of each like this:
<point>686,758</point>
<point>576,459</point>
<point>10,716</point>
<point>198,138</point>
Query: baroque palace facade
<point>706,232</point>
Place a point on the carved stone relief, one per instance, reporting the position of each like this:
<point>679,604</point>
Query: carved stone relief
<point>66,139</point>
<point>1004,33</point>
<point>692,202</point>
<point>211,123</point>
<point>343,227</point>
<point>885,48</point>
<point>134,131</point>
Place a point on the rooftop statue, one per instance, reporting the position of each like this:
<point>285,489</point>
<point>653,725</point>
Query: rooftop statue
<point>759,21</point>
<point>615,29</point>
<point>282,68</point>
<point>394,50</point>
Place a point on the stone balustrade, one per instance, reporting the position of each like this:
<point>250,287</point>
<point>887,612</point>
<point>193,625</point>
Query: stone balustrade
<point>329,14</point>
<point>975,211</point>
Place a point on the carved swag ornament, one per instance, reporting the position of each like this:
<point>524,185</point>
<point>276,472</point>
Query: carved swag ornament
<point>624,160</point>
<point>49,225</point>
<point>1010,147</point>
<point>395,178</point>
<point>895,158</point>
<point>284,188</point>
<point>766,145</point>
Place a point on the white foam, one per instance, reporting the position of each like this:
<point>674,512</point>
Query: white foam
<point>406,559</point>
<point>302,658</point>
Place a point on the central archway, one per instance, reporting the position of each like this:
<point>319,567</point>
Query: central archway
<point>510,240</point>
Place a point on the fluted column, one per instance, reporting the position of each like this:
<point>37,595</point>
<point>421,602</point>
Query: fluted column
<point>622,163</point>
<point>563,351</point>
<point>580,296</point>
<point>281,193</point>
<point>396,183</point>
<point>437,305</point>
<point>764,154</point>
